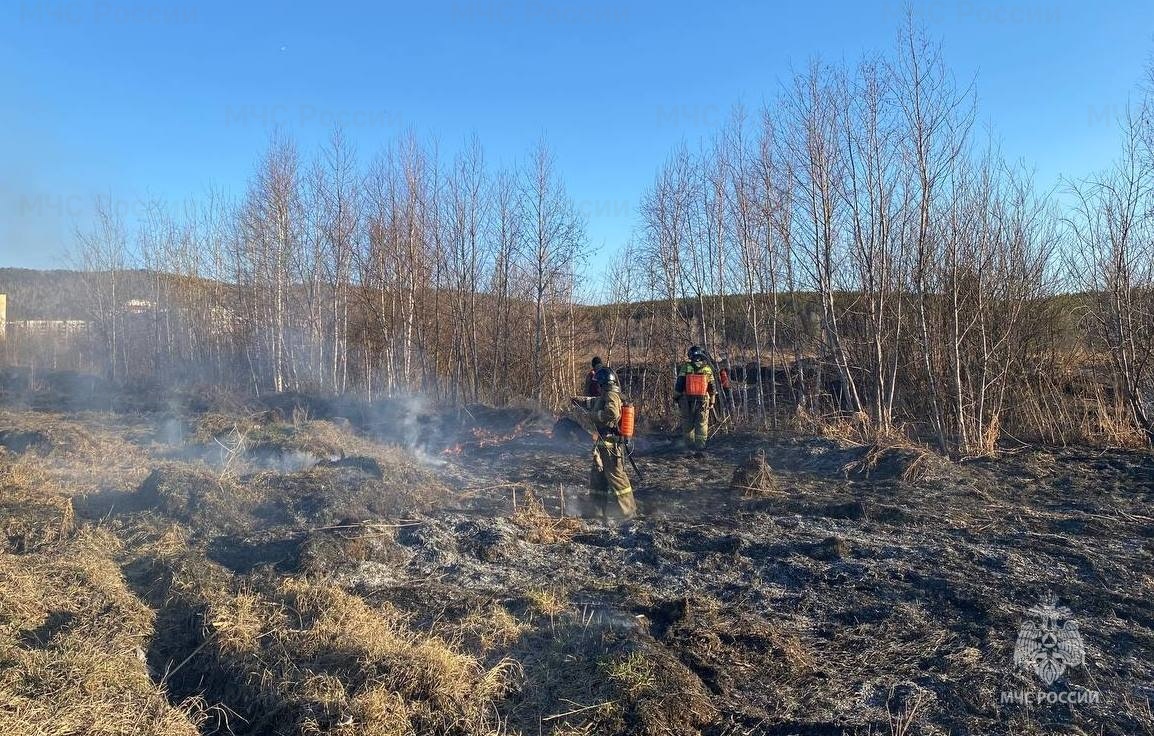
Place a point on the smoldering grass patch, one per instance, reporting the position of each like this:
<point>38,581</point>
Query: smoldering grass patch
<point>773,633</point>
<point>347,551</point>
<point>386,485</point>
<point>257,442</point>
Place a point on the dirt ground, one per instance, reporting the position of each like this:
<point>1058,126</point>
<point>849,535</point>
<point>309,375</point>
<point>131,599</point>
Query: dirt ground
<point>403,571</point>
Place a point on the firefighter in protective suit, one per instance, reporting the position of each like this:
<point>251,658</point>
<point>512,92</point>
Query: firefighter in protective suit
<point>591,387</point>
<point>611,488</point>
<point>694,394</point>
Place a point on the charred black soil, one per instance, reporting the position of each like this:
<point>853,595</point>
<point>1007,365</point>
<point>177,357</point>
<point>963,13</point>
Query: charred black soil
<point>421,572</point>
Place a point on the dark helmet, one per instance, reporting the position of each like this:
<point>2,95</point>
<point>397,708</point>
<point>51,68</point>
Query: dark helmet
<point>695,353</point>
<point>597,362</point>
<point>606,377</point>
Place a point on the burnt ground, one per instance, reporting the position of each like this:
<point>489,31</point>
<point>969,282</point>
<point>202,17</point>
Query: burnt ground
<point>839,601</point>
<point>853,593</point>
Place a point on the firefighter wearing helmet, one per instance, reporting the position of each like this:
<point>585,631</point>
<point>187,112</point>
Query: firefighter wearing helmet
<point>591,387</point>
<point>610,485</point>
<point>694,394</point>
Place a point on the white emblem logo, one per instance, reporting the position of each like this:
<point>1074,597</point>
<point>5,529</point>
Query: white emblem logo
<point>1050,644</point>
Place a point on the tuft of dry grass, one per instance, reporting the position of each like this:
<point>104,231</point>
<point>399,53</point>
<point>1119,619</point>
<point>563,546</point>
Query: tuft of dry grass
<point>906,460</point>
<point>634,674</point>
<point>658,693</point>
<point>919,468</point>
<point>540,526</point>
<point>754,477</point>
<point>377,711</point>
<point>550,602</point>
<point>491,627</point>
<point>849,431</point>
<point>237,621</point>
<point>213,425</point>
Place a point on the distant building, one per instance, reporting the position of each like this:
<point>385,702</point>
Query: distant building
<point>27,327</point>
<point>221,318</point>
<point>139,306</point>
<point>60,327</point>
<point>65,327</point>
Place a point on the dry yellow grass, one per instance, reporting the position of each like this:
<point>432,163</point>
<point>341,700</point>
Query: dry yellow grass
<point>914,469</point>
<point>633,674</point>
<point>754,477</point>
<point>76,455</point>
<point>917,462</point>
<point>847,430</point>
<point>317,659</point>
<point>237,621</point>
<point>550,602</point>
<point>1109,425</point>
<point>212,425</point>
<point>72,643</point>
<point>657,693</point>
<point>321,438</point>
<point>540,526</point>
<point>37,511</point>
<point>490,627</point>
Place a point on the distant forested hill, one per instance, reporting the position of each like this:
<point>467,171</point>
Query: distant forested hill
<point>59,294</point>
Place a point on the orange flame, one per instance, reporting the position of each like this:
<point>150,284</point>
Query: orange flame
<point>485,438</point>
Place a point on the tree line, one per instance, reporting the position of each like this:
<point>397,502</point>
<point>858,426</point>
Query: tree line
<point>894,273</point>
<point>403,272</point>
<point>858,248</point>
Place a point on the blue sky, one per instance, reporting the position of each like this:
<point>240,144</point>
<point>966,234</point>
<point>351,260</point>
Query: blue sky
<point>136,98</point>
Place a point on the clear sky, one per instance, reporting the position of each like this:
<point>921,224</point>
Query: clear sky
<point>163,98</point>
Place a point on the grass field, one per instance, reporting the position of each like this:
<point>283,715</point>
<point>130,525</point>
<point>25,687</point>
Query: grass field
<point>272,573</point>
